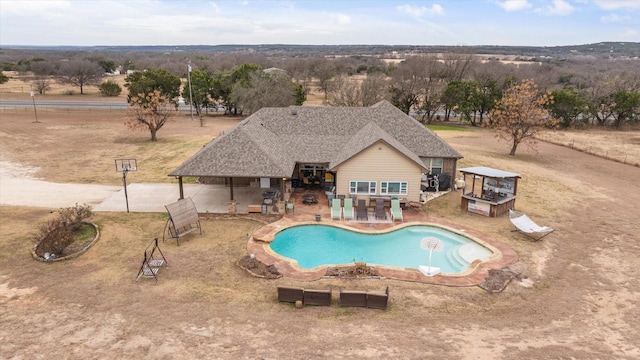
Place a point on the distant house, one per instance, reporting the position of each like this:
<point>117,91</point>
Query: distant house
<point>363,152</point>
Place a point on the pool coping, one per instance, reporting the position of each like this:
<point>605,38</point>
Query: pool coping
<point>258,245</point>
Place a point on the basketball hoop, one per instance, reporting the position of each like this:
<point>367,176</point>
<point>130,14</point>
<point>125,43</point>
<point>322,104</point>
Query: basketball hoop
<point>432,244</point>
<point>124,166</point>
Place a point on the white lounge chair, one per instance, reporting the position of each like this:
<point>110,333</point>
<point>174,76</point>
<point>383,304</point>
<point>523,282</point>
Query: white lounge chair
<point>525,225</point>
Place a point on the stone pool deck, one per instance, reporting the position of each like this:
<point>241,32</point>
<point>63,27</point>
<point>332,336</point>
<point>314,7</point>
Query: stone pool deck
<point>306,214</point>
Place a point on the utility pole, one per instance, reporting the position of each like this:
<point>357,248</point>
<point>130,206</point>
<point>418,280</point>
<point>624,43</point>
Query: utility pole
<point>190,96</point>
<point>33,97</point>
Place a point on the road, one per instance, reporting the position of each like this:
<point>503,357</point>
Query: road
<point>71,104</point>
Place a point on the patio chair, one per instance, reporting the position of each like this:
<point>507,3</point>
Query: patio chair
<point>525,225</point>
<point>290,207</point>
<point>362,210</point>
<point>336,209</point>
<point>396,210</point>
<point>381,213</point>
<point>306,183</point>
<point>347,209</point>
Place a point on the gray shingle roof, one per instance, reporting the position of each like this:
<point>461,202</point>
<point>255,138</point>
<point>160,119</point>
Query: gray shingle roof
<point>270,142</point>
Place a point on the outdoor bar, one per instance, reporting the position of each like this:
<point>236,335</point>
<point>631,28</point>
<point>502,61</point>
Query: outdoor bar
<point>489,192</point>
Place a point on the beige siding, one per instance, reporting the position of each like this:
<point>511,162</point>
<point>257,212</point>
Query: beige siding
<point>379,162</point>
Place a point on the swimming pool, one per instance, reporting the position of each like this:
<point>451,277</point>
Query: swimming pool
<point>312,246</point>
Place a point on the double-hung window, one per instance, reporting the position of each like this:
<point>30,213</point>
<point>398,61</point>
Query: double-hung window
<point>436,166</point>
<point>393,188</point>
<point>362,187</point>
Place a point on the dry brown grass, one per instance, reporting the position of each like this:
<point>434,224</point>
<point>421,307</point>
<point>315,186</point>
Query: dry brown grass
<point>580,287</point>
<point>621,146</point>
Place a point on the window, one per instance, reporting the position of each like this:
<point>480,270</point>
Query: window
<point>362,187</point>
<point>393,188</point>
<point>435,165</point>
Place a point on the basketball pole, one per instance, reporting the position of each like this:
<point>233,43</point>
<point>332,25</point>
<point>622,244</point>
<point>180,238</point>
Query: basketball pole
<point>124,183</point>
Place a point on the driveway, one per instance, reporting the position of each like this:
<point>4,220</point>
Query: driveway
<point>19,189</point>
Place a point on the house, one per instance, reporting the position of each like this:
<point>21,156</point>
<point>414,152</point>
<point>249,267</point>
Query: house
<point>362,151</point>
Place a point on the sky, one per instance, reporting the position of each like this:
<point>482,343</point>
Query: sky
<point>328,22</point>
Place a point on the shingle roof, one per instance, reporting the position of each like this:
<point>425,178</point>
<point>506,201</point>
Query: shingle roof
<point>270,142</point>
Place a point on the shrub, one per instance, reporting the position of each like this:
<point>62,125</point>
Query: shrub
<point>110,88</point>
<point>58,233</point>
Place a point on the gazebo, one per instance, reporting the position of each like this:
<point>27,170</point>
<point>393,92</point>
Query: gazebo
<point>489,192</point>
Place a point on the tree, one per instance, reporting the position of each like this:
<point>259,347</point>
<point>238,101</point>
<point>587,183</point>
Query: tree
<point>143,83</point>
<point>323,71</point>
<point>223,82</point>
<point>3,78</point>
<point>109,66</point>
<point>201,84</point>
<point>150,111</point>
<point>521,115</point>
<point>264,90</point>
<point>110,88</point>
<point>80,73</point>
<point>463,97</point>
<point>626,107</point>
<point>567,106</point>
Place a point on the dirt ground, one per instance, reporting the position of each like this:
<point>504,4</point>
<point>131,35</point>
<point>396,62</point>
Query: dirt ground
<point>578,298</point>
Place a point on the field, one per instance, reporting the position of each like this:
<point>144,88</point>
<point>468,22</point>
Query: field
<point>576,299</point>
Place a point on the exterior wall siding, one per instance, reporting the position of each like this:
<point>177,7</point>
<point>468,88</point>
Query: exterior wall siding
<point>449,167</point>
<point>379,162</point>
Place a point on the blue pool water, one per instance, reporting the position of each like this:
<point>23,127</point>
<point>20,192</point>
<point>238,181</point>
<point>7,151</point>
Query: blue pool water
<point>317,245</point>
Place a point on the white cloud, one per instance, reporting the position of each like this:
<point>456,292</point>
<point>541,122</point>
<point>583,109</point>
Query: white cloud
<point>614,18</point>
<point>421,11</point>
<point>559,7</point>
<point>618,4</point>
<point>515,5</point>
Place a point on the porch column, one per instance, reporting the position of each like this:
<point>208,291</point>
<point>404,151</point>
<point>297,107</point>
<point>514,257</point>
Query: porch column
<point>230,188</point>
<point>181,188</point>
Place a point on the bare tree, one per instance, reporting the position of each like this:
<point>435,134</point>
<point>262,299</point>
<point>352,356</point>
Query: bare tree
<point>149,111</point>
<point>458,63</point>
<point>80,73</point>
<point>354,91</point>
<point>264,90</point>
<point>323,71</point>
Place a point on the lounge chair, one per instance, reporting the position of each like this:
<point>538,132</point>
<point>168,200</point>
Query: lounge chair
<point>362,210</point>
<point>396,210</point>
<point>525,225</point>
<point>381,213</point>
<point>347,209</point>
<point>336,209</point>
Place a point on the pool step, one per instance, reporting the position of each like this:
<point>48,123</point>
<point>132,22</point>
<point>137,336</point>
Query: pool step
<point>457,261</point>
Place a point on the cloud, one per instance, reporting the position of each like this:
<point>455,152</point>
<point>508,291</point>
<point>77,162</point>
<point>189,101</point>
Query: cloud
<point>614,18</point>
<point>421,11</point>
<point>618,4</point>
<point>559,7</point>
<point>515,5</point>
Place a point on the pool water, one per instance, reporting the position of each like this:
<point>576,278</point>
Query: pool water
<point>320,245</point>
